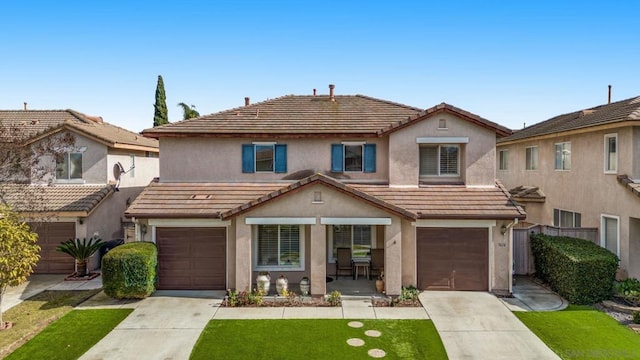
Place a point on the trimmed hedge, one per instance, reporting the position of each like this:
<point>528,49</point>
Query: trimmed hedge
<point>129,270</point>
<point>579,270</point>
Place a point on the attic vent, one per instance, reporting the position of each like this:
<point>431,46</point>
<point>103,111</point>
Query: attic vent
<point>201,197</point>
<point>35,122</point>
<point>587,112</point>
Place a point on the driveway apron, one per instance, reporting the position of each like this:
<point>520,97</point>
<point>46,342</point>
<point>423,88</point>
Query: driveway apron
<point>163,326</point>
<point>477,325</point>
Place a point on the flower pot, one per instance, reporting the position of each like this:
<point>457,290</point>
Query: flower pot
<point>305,286</point>
<point>263,282</point>
<point>81,268</point>
<point>380,285</point>
<point>282,283</point>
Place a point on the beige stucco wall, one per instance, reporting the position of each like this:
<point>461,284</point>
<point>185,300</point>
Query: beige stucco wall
<point>585,188</point>
<point>477,157</point>
<point>212,159</point>
<point>146,168</point>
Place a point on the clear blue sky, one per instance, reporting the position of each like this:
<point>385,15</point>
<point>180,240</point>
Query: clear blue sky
<point>512,62</point>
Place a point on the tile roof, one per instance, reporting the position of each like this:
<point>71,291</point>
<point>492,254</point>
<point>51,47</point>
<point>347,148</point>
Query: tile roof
<point>38,123</point>
<point>633,186</point>
<point>56,198</point>
<point>301,115</point>
<point>620,111</point>
<point>524,193</point>
<point>226,200</point>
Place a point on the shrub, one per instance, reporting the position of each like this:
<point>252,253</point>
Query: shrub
<point>334,298</point>
<point>629,291</point>
<point>409,293</point>
<point>636,317</point>
<point>579,270</point>
<point>129,270</point>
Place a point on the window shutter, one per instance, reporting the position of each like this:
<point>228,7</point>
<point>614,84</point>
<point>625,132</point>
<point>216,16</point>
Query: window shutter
<point>369,158</point>
<point>247,158</point>
<point>337,157</point>
<point>281,158</point>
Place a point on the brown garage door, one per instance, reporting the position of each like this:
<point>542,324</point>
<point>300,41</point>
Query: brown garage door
<point>50,235</point>
<point>191,258</point>
<point>453,259</point>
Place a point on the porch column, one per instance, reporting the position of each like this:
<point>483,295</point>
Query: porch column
<point>318,266</point>
<point>243,255</point>
<point>393,257</point>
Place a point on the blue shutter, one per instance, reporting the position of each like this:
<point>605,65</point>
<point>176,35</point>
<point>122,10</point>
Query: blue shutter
<point>248,162</point>
<point>337,158</point>
<point>281,158</point>
<point>369,158</point>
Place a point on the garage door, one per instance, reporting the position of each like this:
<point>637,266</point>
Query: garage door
<point>50,235</point>
<point>453,259</point>
<point>191,258</point>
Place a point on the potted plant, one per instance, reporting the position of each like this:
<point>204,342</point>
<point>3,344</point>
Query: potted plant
<point>380,283</point>
<point>282,284</point>
<point>305,286</point>
<point>81,251</point>
<point>263,282</point>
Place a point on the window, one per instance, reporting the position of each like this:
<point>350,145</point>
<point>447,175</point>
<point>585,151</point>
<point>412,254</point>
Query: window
<point>132,168</point>
<point>440,160</point>
<point>264,157</point>
<point>532,158</point>
<point>69,166</point>
<point>610,153</point>
<point>355,157</point>
<point>504,160</point>
<point>564,218</point>
<point>563,156</point>
<point>609,234</point>
<point>442,124</point>
<point>279,246</point>
<point>356,237</point>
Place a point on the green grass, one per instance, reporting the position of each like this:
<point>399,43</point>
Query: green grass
<point>34,314</point>
<point>316,339</point>
<point>581,332</point>
<point>72,335</point>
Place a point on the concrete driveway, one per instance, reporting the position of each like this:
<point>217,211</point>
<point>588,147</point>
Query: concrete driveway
<point>477,325</point>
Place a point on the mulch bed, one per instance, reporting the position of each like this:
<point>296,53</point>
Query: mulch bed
<point>75,277</point>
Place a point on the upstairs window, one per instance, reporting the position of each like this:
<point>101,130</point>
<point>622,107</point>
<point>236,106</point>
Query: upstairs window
<point>264,157</point>
<point>353,157</point>
<point>69,166</point>
<point>504,160</point>
<point>532,158</point>
<point>611,153</point>
<point>564,218</point>
<point>440,160</point>
<point>563,156</point>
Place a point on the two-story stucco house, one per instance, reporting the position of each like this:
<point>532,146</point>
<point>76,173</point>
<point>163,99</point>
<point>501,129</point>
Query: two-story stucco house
<point>80,189</point>
<point>280,185</point>
<point>582,169</point>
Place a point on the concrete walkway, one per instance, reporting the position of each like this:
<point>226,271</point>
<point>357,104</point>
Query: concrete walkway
<point>475,325</point>
<point>528,295</point>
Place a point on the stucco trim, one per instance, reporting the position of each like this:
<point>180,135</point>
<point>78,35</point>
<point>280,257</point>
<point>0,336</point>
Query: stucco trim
<point>280,221</point>
<point>455,223</point>
<point>442,140</point>
<point>354,221</point>
<point>188,222</point>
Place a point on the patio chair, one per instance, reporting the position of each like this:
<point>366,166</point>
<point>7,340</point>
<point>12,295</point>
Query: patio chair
<point>343,261</point>
<point>377,262</point>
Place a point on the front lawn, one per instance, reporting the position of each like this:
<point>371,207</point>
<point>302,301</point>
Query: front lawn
<point>34,314</point>
<point>72,335</point>
<point>581,332</point>
<point>317,339</point>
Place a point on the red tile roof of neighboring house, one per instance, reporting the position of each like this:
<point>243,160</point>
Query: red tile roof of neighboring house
<point>616,112</point>
<point>79,200</point>
<point>633,186</point>
<point>524,193</point>
<point>306,116</point>
<point>226,200</point>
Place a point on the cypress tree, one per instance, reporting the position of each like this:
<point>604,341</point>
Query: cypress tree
<point>161,115</point>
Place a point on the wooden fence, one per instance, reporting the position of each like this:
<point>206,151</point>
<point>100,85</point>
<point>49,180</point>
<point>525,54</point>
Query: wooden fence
<point>522,255</point>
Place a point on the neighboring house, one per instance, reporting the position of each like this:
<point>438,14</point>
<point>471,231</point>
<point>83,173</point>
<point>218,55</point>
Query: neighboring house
<point>581,169</point>
<point>82,190</point>
<point>279,185</point>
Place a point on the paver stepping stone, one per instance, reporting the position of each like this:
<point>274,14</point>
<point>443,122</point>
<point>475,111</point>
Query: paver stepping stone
<point>355,342</point>
<point>377,353</point>
<point>355,324</point>
<point>373,333</point>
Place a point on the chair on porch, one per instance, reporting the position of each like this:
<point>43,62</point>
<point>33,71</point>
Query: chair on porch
<point>343,261</point>
<point>377,262</point>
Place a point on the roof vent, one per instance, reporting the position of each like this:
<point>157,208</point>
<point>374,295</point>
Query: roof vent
<point>25,106</point>
<point>331,95</point>
<point>587,112</point>
<point>247,101</point>
<point>314,92</point>
<point>201,197</point>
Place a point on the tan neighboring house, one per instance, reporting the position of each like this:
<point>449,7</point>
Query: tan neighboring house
<point>86,189</point>
<point>280,185</point>
<point>581,169</point>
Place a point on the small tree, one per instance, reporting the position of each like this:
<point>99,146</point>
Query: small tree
<point>81,251</point>
<point>188,112</point>
<point>18,252</point>
<point>161,115</point>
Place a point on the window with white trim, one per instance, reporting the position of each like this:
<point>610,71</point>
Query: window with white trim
<point>566,218</point>
<point>504,160</point>
<point>611,153</point>
<point>440,160</point>
<point>563,156</point>
<point>132,167</point>
<point>609,234</point>
<point>359,238</point>
<point>279,247</point>
<point>69,166</point>
<point>531,158</point>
